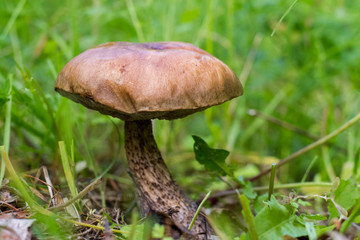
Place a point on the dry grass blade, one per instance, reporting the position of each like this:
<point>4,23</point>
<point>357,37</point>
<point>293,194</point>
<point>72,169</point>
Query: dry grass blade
<point>85,191</point>
<point>50,186</point>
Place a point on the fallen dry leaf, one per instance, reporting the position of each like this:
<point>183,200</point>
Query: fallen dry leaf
<point>15,229</point>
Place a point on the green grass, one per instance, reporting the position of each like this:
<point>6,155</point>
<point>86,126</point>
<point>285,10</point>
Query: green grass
<point>306,73</point>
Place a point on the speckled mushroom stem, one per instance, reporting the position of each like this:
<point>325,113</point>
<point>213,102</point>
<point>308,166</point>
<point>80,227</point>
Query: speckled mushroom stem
<point>159,194</point>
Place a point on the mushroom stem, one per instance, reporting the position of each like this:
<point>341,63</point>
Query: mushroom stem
<point>158,192</point>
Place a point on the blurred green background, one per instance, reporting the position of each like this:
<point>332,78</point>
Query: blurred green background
<point>306,74</point>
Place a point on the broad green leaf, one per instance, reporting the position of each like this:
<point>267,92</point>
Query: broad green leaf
<point>212,159</point>
<point>275,221</point>
<point>345,196</point>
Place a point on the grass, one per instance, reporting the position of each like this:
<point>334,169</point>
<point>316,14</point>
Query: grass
<point>306,74</point>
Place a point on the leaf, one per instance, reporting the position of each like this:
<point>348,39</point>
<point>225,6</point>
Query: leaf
<point>212,159</point>
<point>316,217</point>
<point>249,191</point>
<point>304,203</point>
<point>15,228</point>
<point>311,230</point>
<point>158,231</point>
<point>275,221</point>
<point>247,188</point>
<point>259,203</point>
<point>345,196</point>
<point>320,229</point>
<point>133,231</point>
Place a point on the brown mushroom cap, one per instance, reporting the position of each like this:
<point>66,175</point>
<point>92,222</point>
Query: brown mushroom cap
<point>138,81</point>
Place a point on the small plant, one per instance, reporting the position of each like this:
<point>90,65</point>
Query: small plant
<point>286,215</point>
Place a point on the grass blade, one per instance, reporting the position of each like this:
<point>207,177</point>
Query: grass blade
<point>355,212</point>
<point>20,186</point>
<point>135,20</point>
<point>67,169</point>
<point>308,169</point>
<point>282,18</point>
<point>7,129</point>
<point>13,18</point>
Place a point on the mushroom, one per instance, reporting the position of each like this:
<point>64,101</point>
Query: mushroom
<point>137,82</point>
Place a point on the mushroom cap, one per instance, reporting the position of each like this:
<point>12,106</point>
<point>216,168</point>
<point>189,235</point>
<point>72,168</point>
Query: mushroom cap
<point>139,81</point>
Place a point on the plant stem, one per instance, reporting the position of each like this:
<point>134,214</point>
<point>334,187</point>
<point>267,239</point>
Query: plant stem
<point>311,146</point>
<point>272,178</point>
<point>355,212</point>
<point>248,216</point>
<point>279,186</point>
<point>198,210</point>
<point>89,225</point>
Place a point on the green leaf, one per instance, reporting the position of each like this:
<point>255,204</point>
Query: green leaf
<point>345,196</point>
<point>212,159</point>
<point>316,217</point>
<point>320,229</point>
<point>311,230</point>
<point>259,202</point>
<point>133,231</point>
<point>158,231</point>
<point>249,191</point>
<point>304,203</point>
<point>275,221</point>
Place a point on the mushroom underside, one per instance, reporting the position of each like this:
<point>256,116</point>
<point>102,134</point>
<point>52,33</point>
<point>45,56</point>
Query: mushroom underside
<point>168,114</point>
